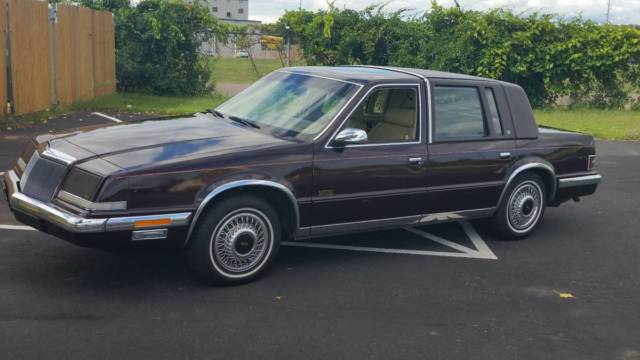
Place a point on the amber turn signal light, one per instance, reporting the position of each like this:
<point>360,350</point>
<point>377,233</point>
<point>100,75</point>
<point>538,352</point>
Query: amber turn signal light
<point>151,223</point>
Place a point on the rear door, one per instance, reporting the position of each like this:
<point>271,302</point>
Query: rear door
<point>470,147</point>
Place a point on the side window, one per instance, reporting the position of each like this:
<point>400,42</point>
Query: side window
<point>388,116</point>
<point>493,110</point>
<point>458,113</point>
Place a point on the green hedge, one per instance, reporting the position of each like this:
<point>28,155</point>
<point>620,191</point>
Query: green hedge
<point>157,44</point>
<point>549,56</point>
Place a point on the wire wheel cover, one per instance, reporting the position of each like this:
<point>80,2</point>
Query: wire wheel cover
<point>525,205</point>
<point>241,241</point>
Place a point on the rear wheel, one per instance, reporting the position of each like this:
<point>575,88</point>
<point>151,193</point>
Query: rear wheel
<point>235,241</point>
<point>522,207</point>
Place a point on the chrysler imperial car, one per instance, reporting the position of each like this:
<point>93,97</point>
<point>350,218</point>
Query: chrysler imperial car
<point>304,152</point>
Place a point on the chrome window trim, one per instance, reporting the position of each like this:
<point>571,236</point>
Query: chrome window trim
<point>339,113</point>
<point>89,205</point>
<point>528,166</point>
<point>54,154</point>
<point>427,84</point>
<point>419,141</point>
<point>238,184</point>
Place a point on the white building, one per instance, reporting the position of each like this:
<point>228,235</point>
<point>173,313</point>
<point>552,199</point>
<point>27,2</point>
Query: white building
<point>232,12</point>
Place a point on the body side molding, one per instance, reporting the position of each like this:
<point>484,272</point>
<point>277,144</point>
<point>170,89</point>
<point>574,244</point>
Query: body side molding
<point>240,184</point>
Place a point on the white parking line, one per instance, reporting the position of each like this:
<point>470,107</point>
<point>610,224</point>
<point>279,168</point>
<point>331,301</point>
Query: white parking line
<point>381,250</point>
<point>107,117</point>
<point>481,250</point>
<point>16,227</point>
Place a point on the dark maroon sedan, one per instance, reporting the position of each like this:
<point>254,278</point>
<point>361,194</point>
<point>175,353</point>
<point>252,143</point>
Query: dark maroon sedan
<point>305,152</point>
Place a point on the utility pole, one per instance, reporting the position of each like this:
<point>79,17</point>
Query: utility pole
<point>608,10</point>
<point>300,8</point>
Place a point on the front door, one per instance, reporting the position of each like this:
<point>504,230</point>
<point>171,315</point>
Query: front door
<point>381,178</point>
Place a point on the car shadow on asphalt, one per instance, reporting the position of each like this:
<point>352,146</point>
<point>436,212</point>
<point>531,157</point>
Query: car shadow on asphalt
<point>57,265</point>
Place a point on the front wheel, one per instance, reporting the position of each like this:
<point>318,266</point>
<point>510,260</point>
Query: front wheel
<point>235,241</point>
<point>522,207</point>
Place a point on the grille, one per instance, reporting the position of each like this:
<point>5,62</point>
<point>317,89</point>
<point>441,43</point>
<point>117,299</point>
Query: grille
<point>42,177</point>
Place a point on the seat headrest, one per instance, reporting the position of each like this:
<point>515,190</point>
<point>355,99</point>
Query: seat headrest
<point>401,116</point>
<point>402,108</point>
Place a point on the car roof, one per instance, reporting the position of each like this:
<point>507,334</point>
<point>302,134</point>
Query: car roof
<point>364,74</point>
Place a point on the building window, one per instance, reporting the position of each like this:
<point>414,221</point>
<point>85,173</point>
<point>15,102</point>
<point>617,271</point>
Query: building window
<point>214,9</point>
<point>228,14</point>
<point>241,11</point>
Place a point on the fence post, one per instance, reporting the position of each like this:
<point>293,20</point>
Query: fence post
<point>53,18</point>
<point>7,53</point>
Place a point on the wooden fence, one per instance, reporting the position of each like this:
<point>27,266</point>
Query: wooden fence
<point>80,41</point>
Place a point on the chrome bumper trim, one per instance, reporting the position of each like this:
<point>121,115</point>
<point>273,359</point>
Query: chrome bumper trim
<point>89,205</point>
<point>592,179</point>
<point>65,220</point>
<point>76,224</point>
<point>128,223</point>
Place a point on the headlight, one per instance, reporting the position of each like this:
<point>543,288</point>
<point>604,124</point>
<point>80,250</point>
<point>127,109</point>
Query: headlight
<point>80,188</point>
<point>82,183</point>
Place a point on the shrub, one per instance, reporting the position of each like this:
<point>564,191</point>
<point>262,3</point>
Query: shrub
<point>549,56</point>
<point>157,45</point>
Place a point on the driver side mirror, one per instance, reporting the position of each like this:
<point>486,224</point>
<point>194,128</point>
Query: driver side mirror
<point>351,136</point>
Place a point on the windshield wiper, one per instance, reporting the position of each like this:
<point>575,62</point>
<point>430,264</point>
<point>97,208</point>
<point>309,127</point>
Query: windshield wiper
<point>215,112</point>
<point>244,122</point>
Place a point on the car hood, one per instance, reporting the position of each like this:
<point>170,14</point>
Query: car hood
<point>157,141</point>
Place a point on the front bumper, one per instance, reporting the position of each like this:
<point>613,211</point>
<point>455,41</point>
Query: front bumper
<point>50,218</point>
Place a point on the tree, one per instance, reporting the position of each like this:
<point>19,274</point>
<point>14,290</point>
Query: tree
<point>157,46</point>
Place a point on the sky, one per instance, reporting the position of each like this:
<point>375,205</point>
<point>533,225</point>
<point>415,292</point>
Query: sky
<point>622,11</point>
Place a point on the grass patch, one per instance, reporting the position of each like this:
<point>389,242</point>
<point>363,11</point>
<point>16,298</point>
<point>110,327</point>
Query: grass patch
<point>602,124</point>
<point>121,103</point>
<point>151,104</point>
<point>236,70</point>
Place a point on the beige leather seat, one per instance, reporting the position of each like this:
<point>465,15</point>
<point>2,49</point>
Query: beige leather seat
<point>400,119</point>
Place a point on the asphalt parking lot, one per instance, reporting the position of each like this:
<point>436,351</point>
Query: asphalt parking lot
<point>451,291</point>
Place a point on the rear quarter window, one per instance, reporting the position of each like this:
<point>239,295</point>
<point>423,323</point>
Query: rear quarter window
<point>493,110</point>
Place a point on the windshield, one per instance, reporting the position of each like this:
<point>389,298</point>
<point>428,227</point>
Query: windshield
<point>290,105</point>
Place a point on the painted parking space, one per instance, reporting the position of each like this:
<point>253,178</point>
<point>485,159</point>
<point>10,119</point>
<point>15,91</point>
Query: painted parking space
<point>458,239</point>
<point>568,292</point>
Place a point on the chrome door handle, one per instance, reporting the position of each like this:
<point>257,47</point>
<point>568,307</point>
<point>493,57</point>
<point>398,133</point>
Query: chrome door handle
<point>505,155</point>
<point>416,161</point>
